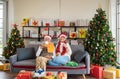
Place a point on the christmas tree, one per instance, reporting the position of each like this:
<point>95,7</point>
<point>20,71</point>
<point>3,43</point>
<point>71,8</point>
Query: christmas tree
<point>99,41</point>
<point>14,42</point>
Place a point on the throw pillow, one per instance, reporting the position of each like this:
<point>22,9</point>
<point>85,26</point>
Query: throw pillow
<point>25,53</point>
<point>78,56</point>
<point>74,48</point>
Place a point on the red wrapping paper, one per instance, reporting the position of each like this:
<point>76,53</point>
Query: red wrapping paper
<point>24,75</point>
<point>96,71</point>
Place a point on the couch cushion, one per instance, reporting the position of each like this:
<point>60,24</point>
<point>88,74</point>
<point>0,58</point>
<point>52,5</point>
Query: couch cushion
<point>78,56</point>
<point>25,64</point>
<point>25,53</point>
<point>31,64</point>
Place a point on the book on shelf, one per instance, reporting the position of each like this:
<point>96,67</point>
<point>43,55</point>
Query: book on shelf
<point>26,33</point>
<point>51,33</point>
<point>44,33</point>
<point>33,34</point>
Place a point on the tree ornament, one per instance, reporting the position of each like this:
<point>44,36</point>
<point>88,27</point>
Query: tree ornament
<point>96,47</point>
<point>106,40</point>
<point>106,49</point>
<point>88,42</point>
<point>103,17</point>
<point>17,39</point>
<point>97,44</point>
<point>91,37</point>
<point>111,48</point>
<point>101,50</point>
<point>96,54</point>
<point>105,44</point>
<point>98,22</point>
<point>102,40</point>
<point>15,33</point>
<point>91,46</point>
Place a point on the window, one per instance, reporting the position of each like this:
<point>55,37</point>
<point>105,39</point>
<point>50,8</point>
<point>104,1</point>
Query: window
<point>118,30</point>
<point>3,8</point>
<point>1,27</point>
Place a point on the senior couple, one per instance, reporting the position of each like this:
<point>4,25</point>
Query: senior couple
<point>53,55</point>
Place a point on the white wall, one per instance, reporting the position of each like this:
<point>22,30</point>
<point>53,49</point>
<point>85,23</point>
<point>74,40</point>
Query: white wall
<point>58,9</point>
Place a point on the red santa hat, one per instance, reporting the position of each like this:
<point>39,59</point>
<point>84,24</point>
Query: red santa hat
<point>64,35</point>
<point>47,36</point>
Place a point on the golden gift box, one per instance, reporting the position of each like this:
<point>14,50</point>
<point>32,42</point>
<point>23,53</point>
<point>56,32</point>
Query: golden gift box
<point>48,77</point>
<point>82,33</point>
<point>109,74</point>
<point>6,66</point>
<point>117,71</point>
<point>1,66</point>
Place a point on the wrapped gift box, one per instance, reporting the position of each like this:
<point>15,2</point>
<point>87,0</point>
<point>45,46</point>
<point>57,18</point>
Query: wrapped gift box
<point>48,77</point>
<point>117,71</point>
<point>96,71</point>
<point>61,23</point>
<point>62,75</point>
<point>73,35</point>
<point>109,74</point>
<point>6,66</point>
<point>24,75</point>
<point>82,33</point>
<point>1,66</point>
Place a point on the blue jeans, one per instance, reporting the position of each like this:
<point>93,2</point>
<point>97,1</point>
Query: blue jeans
<point>59,60</point>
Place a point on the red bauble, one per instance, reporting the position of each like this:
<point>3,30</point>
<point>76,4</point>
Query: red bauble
<point>97,55</point>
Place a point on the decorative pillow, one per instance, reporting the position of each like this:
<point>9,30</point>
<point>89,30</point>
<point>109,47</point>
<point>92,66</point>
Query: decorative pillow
<point>78,56</point>
<point>25,53</point>
<point>74,48</point>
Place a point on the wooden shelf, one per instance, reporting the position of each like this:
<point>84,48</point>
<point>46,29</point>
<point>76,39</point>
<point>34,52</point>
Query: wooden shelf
<point>55,26</point>
<point>61,28</point>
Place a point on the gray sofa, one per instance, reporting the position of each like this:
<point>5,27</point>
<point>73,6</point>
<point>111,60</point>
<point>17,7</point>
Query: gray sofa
<point>26,61</point>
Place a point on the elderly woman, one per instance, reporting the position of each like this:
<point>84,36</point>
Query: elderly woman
<point>62,52</point>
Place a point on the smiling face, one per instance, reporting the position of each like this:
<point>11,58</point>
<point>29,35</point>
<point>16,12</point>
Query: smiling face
<point>47,39</point>
<point>62,39</point>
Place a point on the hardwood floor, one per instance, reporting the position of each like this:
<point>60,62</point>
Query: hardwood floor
<point>9,75</point>
<point>79,77</point>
